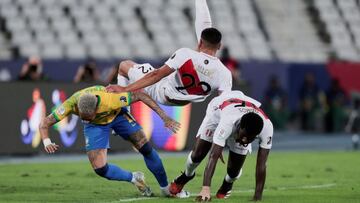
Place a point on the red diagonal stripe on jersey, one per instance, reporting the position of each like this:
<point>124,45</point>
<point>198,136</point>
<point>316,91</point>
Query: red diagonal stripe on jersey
<point>188,69</point>
<point>239,101</point>
<point>231,101</point>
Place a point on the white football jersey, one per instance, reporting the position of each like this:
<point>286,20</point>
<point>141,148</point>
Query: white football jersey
<point>197,75</point>
<point>224,112</point>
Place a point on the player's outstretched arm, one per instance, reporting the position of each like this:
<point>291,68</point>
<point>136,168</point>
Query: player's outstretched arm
<point>202,17</point>
<point>149,79</point>
<point>260,173</point>
<point>169,122</point>
<point>215,154</point>
<point>44,126</point>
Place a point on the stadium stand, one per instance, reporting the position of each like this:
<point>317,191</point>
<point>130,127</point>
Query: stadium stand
<point>342,20</point>
<point>106,29</point>
<point>283,20</point>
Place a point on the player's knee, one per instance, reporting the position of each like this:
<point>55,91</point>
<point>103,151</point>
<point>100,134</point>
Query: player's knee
<point>102,171</point>
<point>146,149</point>
<point>196,157</point>
<point>198,154</point>
<point>124,66</point>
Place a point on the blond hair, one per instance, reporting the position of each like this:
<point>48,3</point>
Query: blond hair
<point>87,104</point>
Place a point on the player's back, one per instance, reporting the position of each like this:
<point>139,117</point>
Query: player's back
<point>109,105</point>
<point>197,74</point>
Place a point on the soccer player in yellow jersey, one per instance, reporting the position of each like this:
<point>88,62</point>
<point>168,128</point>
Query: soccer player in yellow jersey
<point>100,112</point>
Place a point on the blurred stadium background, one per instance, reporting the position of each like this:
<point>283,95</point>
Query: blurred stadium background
<point>51,48</point>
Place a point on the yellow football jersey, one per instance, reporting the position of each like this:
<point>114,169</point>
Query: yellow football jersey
<point>109,104</point>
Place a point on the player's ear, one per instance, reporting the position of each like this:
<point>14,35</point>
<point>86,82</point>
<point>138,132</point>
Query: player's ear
<point>219,46</point>
<point>200,44</point>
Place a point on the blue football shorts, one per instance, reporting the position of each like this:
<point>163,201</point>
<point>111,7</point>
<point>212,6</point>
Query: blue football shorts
<point>97,136</point>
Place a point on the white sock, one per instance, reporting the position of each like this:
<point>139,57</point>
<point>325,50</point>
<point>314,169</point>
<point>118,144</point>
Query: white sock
<point>165,190</point>
<point>122,81</point>
<point>202,17</point>
<point>231,180</point>
<point>133,180</point>
<point>190,166</point>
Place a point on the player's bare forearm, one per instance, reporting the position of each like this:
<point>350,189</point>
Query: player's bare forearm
<point>211,165</point>
<point>147,80</point>
<point>171,124</point>
<point>45,123</point>
<point>140,96</point>
<point>150,79</point>
<point>260,172</point>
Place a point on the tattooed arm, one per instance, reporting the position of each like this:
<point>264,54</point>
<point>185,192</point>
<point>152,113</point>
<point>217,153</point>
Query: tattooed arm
<point>169,122</point>
<point>45,123</point>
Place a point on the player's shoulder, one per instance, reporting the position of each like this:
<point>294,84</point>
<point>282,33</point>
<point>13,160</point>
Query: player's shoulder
<point>268,128</point>
<point>94,88</point>
<point>223,67</point>
<point>268,123</point>
<point>183,51</point>
<point>97,89</point>
<point>183,54</point>
<point>229,94</point>
<point>223,72</point>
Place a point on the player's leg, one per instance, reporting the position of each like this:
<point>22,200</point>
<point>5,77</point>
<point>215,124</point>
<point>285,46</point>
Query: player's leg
<point>234,172</point>
<point>123,69</point>
<point>99,163</point>
<point>195,157</point>
<point>203,140</point>
<point>237,156</point>
<point>202,17</point>
<point>97,143</point>
<point>126,126</point>
<point>200,150</point>
<point>132,71</point>
<point>198,154</point>
<point>151,157</point>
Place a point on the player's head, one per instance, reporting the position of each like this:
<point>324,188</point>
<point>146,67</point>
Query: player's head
<point>249,127</point>
<point>210,39</point>
<point>87,106</point>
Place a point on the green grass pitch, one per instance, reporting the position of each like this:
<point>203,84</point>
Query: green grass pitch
<point>291,177</point>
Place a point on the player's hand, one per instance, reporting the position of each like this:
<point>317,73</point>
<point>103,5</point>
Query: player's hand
<point>115,88</point>
<point>204,195</point>
<point>51,148</point>
<point>172,124</point>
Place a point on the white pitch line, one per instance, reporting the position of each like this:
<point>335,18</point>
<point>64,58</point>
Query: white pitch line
<point>308,186</point>
<point>136,199</point>
<point>236,191</point>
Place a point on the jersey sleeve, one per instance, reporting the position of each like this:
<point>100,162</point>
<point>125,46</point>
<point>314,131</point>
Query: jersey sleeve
<point>225,81</point>
<point>223,131</point>
<point>64,109</point>
<point>119,100</point>
<point>177,59</point>
<point>266,135</point>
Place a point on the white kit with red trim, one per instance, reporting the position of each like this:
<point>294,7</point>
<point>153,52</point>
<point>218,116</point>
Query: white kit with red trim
<point>223,112</point>
<point>197,76</point>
